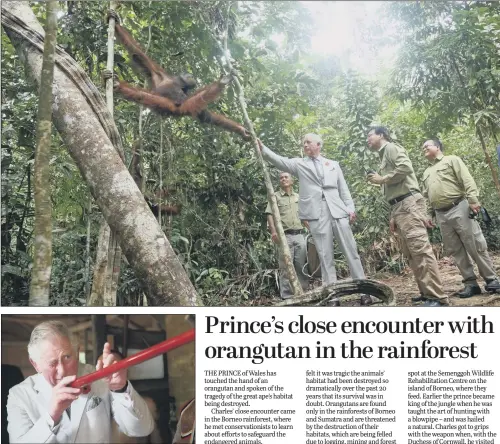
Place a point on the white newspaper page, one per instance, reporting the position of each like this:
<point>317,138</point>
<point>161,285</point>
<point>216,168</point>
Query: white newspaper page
<point>351,375</point>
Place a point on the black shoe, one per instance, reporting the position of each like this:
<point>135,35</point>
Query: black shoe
<point>334,303</point>
<point>434,303</point>
<point>492,285</point>
<point>469,291</point>
<point>419,298</point>
<point>365,300</point>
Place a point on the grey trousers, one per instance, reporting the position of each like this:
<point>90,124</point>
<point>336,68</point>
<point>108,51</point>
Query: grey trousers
<point>298,252</point>
<point>323,231</point>
<point>463,237</point>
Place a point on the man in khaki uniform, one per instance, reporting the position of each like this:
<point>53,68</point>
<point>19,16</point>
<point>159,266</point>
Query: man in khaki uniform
<point>408,214</point>
<point>288,205</point>
<point>452,192</point>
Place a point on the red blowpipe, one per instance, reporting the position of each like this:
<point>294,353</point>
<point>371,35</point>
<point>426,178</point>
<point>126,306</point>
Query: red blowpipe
<point>139,357</point>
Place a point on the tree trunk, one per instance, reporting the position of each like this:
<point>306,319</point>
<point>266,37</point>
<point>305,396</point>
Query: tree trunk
<point>114,250</point>
<point>283,244</point>
<point>121,202</point>
<point>113,270</point>
<point>42,246</point>
<point>322,295</point>
<point>142,186</point>
<point>488,159</point>
<point>87,252</point>
<point>100,267</point>
<point>476,125</point>
<point>101,284</point>
<point>160,160</point>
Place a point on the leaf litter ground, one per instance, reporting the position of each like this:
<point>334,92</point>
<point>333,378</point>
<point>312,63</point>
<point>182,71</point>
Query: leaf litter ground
<point>405,288</point>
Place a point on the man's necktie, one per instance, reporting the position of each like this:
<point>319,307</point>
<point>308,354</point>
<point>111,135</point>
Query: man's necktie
<point>319,168</point>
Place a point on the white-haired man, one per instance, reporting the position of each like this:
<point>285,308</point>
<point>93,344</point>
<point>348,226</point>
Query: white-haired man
<point>325,206</point>
<point>43,408</point>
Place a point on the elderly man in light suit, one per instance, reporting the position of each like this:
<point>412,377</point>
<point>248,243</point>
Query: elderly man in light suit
<point>43,408</point>
<point>325,206</point>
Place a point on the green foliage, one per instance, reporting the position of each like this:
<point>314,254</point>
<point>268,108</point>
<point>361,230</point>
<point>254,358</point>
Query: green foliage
<point>221,236</point>
<point>449,64</point>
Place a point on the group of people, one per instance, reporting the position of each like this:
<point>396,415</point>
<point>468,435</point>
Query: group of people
<point>325,207</point>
